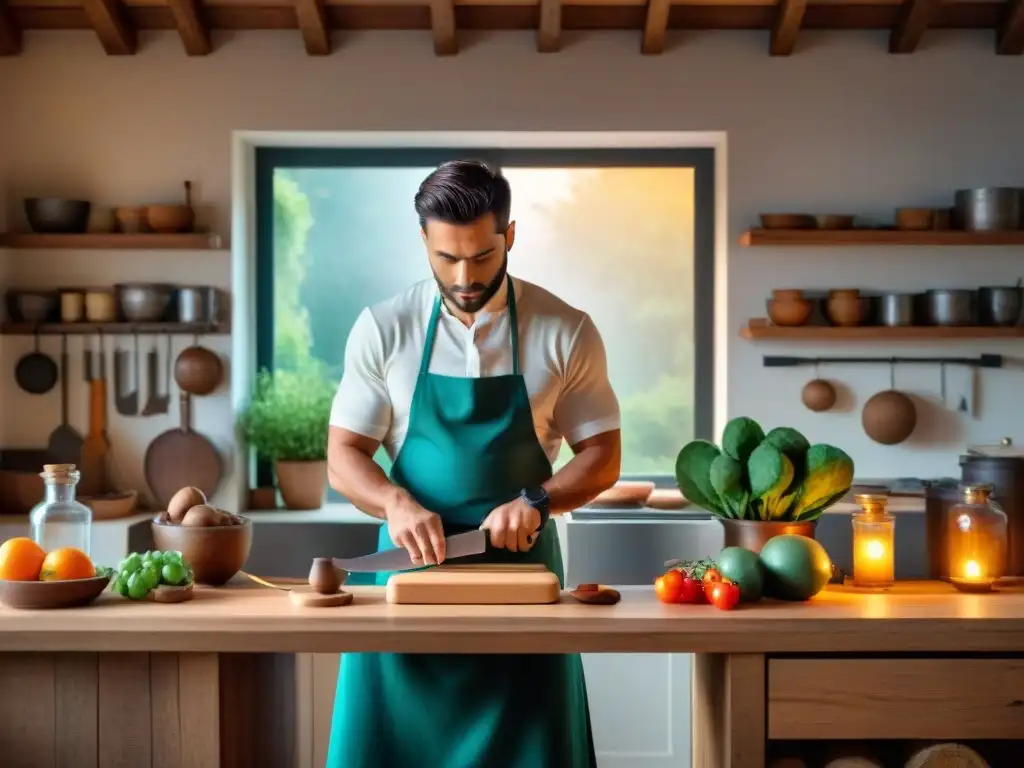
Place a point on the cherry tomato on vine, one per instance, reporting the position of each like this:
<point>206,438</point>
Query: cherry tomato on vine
<point>692,591</point>
<point>669,586</point>
<point>711,575</point>
<point>724,595</point>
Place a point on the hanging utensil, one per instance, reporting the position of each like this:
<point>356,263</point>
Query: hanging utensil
<point>181,457</point>
<point>96,445</point>
<point>65,445</point>
<point>36,372</point>
<point>157,403</point>
<point>127,403</point>
<point>889,417</point>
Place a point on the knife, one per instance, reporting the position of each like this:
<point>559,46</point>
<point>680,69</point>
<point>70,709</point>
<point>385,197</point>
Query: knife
<point>460,545</point>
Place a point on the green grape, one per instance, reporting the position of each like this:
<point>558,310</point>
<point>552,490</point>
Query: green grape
<point>151,575</point>
<point>174,574</point>
<point>131,564</point>
<point>138,587</point>
<point>121,585</point>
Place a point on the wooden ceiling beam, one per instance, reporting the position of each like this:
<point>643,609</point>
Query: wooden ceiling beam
<point>788,18</point>
<point>442,26</point>
<point>195,35</point>
<point>107,18</point>
<point>10,33</point>
<point>915,15</point>
<point>1010,37</point>
<point>312,18</point>
<point>549,27</point>
<point>655,26</point>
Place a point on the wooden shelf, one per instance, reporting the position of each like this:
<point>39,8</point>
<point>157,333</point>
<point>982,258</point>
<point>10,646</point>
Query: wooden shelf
<point>761,330</point>
<point>120,329</point>
<point>827,237</point>
<point>202,241</point>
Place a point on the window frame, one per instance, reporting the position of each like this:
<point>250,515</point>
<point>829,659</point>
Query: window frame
<point>702,159</point>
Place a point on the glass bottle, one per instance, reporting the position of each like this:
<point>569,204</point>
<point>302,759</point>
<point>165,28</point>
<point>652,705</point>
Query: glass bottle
<point>874,542</point>
<point>976,540</point>
<point>58,520</point>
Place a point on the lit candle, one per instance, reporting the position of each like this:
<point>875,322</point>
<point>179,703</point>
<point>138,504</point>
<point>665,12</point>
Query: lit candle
<point>977,536</point>
<point>873,542</point>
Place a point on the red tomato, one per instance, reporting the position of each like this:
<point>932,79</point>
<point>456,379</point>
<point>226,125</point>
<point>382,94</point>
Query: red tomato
<point>724,595</point>
<point>692,591</point>
<point>711,575</point>
<point>669,586</point>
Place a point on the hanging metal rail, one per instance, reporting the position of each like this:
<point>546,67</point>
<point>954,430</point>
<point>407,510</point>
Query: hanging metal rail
<point>984,361</point>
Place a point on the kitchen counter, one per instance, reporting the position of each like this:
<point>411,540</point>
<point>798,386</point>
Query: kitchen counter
<point>126,681</point>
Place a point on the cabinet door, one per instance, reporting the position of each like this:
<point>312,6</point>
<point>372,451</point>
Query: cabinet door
<point>640,709</point>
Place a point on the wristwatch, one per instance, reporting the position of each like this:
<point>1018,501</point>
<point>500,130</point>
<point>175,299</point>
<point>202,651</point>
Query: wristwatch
<point>537,497</point>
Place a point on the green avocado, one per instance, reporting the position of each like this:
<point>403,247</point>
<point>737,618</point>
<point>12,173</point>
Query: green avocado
<point>796,567</point>
<point>743,568</point>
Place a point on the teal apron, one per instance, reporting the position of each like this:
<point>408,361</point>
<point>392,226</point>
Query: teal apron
<point>470,447</point>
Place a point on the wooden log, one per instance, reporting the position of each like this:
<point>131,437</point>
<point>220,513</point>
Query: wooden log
<point>945,755</point>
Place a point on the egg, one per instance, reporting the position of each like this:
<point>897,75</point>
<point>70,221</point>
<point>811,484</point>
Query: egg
<point>183,501</point>
<point>202,515</point>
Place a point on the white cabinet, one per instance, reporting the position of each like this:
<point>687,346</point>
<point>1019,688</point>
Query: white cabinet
<point>639,708</point>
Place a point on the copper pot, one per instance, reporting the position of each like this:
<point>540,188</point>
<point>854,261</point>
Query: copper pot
<point>754,534</point>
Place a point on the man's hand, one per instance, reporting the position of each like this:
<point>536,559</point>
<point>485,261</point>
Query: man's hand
<point>513,526</point>
<point>416,529</point>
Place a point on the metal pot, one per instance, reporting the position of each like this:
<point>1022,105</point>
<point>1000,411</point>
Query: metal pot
<point>754,534</point>
<point>895,309</point>
<point>951,306</point>
<point>143,302</point>
<point>999,305</point>
<point>988,209</point>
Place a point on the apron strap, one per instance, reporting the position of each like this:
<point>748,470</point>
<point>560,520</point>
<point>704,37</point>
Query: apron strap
<point>435,314</point>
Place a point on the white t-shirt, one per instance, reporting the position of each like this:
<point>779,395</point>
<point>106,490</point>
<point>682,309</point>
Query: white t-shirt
<point>561,356</point>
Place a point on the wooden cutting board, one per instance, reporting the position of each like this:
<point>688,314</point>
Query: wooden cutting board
<point>526,584</point>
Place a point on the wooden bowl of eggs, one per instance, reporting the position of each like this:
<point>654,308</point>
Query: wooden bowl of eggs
<point>214,542</point>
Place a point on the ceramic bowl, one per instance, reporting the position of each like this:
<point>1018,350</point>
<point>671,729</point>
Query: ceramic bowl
<point>216,553</point>
<point>38,595</point>
<point>790,312</point>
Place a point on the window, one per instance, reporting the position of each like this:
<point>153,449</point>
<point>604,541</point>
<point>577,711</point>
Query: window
<point>626,235</point>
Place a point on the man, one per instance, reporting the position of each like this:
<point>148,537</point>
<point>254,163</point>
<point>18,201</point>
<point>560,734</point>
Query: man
<point>470,381</point>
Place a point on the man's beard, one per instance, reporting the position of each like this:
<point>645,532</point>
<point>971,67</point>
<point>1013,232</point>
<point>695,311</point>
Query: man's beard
<point>474,305</point>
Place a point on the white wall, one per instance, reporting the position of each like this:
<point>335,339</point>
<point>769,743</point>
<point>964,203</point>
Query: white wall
<point>839,127</point>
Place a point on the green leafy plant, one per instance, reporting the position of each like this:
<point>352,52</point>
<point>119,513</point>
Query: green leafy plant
<point>289,414</point>
<point>778,476</point>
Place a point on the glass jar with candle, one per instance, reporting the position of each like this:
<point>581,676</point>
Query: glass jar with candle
<point>58,520</point>
<point>874,540</point>
<point>976,540</point>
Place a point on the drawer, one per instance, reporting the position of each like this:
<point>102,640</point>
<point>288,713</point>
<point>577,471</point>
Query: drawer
<point>931,698</point>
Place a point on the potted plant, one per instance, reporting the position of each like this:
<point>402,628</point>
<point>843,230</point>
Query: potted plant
<point>763,485</point>
<point>286,422</point>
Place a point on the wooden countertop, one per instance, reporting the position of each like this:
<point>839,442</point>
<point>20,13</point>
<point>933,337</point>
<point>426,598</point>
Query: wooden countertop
<point>922,617</point>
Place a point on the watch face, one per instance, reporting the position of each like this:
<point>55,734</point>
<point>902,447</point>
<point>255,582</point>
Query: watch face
<point>535,495</point>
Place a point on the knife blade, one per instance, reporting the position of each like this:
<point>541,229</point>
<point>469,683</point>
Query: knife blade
<point>459,545</point>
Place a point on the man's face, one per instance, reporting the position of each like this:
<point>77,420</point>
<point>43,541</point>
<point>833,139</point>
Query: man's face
<point>468,260</point>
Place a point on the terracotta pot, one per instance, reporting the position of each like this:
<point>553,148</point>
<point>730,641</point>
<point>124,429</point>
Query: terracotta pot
<point>851,293</point>
<point>303,484</point>
<point>845,311</point>
<point>790,312</point>
<point>753,534</point>
<point>786,294</point>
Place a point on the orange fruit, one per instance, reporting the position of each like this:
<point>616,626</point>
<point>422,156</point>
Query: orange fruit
<point>67,563</point>
<point>21,559</point>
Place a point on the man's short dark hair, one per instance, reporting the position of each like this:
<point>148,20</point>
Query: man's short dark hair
<point>461,191</point>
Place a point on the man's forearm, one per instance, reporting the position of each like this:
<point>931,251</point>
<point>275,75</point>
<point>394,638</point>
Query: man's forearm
<point>591,471</point>
<point>362,481</point>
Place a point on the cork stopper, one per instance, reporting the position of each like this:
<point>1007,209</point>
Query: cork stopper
<point>60,473</point>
